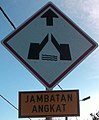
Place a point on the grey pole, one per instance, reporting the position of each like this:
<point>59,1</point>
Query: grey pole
<point>48,117</point>
<point>66,118</point>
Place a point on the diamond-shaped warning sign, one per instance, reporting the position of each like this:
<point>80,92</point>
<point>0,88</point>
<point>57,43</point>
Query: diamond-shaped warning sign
<point>49,45</point>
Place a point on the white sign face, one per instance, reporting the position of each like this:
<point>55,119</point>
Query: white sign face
<point>50,45</point>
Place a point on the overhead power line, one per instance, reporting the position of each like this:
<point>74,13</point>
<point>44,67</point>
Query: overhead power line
<point>10,104</point>
<point>7,17</point>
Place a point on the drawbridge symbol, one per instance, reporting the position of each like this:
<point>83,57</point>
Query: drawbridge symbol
<point>36,48</point>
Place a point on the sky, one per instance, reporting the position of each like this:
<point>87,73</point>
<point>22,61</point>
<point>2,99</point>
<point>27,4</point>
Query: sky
<point>14,77</point>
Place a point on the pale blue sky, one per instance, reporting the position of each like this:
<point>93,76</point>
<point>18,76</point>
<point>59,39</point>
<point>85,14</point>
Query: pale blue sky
<point>14,77</point>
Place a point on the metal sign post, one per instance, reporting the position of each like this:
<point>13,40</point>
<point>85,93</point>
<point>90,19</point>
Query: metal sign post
<point>48,118</point>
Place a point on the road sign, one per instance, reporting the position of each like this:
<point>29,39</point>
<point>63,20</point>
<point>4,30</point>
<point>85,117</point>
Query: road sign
<point>49,45</point>
<point>49,103</point>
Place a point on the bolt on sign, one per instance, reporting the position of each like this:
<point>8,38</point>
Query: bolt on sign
<point>49,45</point>
<point>49,103</point>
